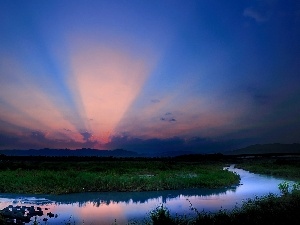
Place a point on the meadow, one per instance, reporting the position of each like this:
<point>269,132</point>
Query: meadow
<point>62,176</point>
<point>282,167</point>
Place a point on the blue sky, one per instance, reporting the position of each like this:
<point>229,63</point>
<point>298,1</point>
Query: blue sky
<point>149,75</point>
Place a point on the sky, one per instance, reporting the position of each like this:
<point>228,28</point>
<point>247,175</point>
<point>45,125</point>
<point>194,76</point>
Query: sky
<point>149,76</point>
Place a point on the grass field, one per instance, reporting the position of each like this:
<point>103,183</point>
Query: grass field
<point>91,176</point>
<point>288,168</point>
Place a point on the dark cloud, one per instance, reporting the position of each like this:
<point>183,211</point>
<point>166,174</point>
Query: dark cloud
<point>157,145</point>
<point>168,117</point>
<point>8,141</point>
<point>155,100</point>
<point>38,135</point>
<point>5,124</point>
<point>86,135</point>
<point>67,129</point>
<point>153,145</point>
<point>38,139</point>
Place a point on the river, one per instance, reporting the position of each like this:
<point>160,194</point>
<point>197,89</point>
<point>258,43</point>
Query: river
<point>106,207</point>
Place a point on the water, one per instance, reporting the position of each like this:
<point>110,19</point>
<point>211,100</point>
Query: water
<point>104,208</point>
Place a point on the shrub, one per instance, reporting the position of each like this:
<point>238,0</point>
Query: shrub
<point>161,216</point>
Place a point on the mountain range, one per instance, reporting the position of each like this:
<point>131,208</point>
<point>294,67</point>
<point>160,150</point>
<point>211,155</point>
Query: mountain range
<point>275,148</point>
<point>68,152</point>
<point>252,149</point>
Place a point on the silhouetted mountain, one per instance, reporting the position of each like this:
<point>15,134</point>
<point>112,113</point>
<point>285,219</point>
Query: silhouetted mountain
<point>172,153</point>
<point>68,152</point>
<point>253,149</point>
<point>90,152</point>
<point>267,149</point>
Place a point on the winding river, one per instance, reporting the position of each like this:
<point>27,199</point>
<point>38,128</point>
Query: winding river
<point>104,208</point>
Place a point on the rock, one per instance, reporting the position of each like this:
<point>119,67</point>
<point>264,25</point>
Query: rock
<point>50,214</point>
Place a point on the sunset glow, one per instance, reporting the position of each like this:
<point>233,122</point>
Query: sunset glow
<point>196,75</point>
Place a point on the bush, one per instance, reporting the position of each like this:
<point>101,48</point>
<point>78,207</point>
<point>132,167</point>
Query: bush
<point>270,209</point>
<point>161,216</point>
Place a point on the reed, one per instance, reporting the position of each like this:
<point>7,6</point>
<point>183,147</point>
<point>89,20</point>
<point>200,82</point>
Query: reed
<point>60,178</point>
<point>288,168</point>
<point>270,209</point>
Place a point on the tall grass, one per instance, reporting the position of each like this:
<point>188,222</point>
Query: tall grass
<point>285,168</point>
<point>111,176</point>
<point>270,209</point>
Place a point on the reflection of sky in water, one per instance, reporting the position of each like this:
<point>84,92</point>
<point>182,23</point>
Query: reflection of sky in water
<point>106,207</point>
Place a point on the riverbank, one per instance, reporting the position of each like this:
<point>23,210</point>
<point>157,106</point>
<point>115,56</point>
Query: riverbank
<point>270,209</point>
<point>287,168</point>
<point>100,204</point>
<point>49,177</point>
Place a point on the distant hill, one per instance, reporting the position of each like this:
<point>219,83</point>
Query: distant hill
<point>90,152</point>
<point>252,149</point>
<point>68,152</point>
<point>267,149</point>
<point>172,153</point>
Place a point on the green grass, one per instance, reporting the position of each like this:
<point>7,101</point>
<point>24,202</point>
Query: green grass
<point>74,177</point>
<point>288,168</point>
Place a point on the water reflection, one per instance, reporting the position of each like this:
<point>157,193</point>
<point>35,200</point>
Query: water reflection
<point>105,207</point>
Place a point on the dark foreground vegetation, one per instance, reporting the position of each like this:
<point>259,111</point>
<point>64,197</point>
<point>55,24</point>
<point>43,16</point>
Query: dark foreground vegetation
<point>270,209</point>
<point>61,175</point>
